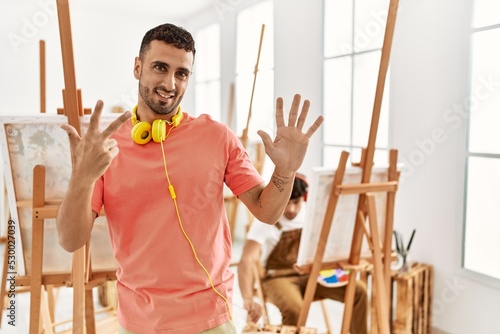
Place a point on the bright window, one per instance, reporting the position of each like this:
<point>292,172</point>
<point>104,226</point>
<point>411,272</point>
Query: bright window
<point>249,27</point>
<point>353,38</point>
<point>207,72</point>
<point>482,222</point>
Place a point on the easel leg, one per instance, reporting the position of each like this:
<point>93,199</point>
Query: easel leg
<point>374,313</point>
<point>79,291</point>
<point>349,303</point>
<point>51,300</point>
<point>47,318</point>
<point>89,312</point>
<point>37,249</point>
<point>393,175</point>
<point>378,269</point>
<point>327,318</point>
<point>320,251</point>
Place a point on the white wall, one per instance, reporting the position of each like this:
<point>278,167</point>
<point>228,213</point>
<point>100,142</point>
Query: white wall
<point>428,77</point>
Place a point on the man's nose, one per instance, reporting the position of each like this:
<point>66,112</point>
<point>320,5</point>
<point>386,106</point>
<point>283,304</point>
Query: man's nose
<point>169,82</point>
<point>292,208</point>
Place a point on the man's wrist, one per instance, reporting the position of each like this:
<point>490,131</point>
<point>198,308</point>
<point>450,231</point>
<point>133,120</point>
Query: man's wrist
<point>284,173</point>
<point>282,180</point>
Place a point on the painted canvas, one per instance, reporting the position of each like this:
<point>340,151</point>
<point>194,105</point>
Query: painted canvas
<point>338,244</point>
<point>27,141</point>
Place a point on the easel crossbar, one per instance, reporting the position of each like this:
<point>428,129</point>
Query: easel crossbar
<point>29,203</point>
<point>363,188</point>
<point>45,212</point>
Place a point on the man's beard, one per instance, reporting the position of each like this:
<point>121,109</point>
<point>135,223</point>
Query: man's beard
<point>159,108</point>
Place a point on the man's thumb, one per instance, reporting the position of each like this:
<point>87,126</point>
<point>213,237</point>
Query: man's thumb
<point>73,135</point>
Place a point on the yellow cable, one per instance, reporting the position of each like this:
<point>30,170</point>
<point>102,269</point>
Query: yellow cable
<point>174,198</point>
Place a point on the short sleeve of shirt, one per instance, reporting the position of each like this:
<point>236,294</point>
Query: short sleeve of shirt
<point>241,174</point>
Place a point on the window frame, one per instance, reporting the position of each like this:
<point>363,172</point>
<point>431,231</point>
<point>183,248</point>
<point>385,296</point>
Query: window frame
<point>208,81</point>
<point>353,148</point>
<point>468,154</point>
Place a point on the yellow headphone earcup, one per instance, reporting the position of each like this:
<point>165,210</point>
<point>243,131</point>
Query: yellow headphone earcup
<point>159,130</point>
<point>141,133</point>
<point>176,120</point>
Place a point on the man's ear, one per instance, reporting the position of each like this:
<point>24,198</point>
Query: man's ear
<point>137,68</point>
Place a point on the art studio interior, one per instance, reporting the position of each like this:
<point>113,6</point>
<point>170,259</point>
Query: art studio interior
<point>409,93</point>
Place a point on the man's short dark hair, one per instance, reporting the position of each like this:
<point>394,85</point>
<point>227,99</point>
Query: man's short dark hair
<point>170,34</point>
<point>299,187</point>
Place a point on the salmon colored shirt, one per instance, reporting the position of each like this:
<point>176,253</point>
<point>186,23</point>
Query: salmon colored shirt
<point>161,287</point>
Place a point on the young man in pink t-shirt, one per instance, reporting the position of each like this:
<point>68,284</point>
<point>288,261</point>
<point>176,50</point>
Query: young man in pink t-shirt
<point>159,173</point>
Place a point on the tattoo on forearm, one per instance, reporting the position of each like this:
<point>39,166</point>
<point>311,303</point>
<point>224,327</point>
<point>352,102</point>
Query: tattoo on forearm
<point>280,182</point>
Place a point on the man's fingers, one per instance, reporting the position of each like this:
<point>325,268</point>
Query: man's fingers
<point>266,139</point>
<point>294,110</point>
<point>73,135</point>
<point>255,312</point>
<point>113,152</point>
<point>279,112</point>
<point>303,114</point>
<point>95,118</point>
<point>109,144</point>
<point>315,126</point>
<point>115,125</point>
<point>255,317</point>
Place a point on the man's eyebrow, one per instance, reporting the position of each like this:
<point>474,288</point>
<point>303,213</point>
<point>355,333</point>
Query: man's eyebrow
<point>161,63</point>
<point>157,62</point>
<point>185,69</point>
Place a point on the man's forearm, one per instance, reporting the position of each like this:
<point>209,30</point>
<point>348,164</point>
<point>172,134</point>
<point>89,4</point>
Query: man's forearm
<point>75,218</point>
<point>275,196</point>
<point>245,280</point>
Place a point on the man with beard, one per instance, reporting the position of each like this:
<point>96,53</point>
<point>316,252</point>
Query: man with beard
<point>163,197</point>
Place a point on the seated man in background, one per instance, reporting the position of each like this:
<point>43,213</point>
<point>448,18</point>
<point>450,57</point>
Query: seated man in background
<point>277,246</point>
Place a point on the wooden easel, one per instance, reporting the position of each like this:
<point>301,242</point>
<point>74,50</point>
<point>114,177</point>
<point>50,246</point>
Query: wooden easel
<point>37,281</point>
<point>231,200</point>
<point>5,269</point>
<point>71,108</point>
<point>82,279</point>
<point>366,209</point>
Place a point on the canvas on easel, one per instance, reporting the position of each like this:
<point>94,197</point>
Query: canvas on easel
<point>37,168</point>
<point>340,235</point>
<point>27,141</point>
<point>37,163</point>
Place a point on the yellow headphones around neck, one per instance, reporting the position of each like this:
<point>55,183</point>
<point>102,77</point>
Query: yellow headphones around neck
<point>142,132</point>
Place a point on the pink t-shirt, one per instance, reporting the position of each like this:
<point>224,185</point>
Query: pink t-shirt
<point>161,287</point>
